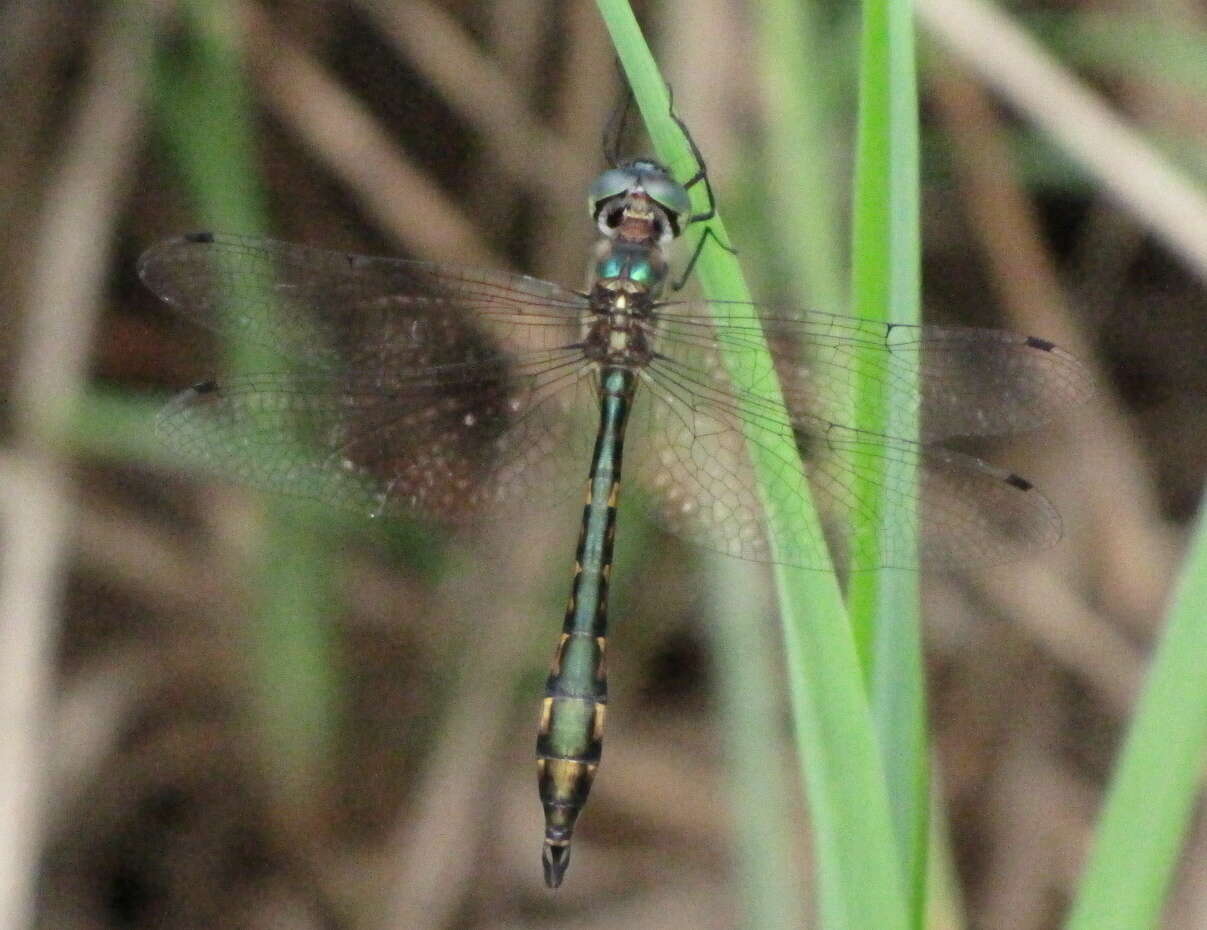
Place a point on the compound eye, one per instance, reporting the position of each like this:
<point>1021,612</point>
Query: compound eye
<point>670,195</point>
<point>612,183</point>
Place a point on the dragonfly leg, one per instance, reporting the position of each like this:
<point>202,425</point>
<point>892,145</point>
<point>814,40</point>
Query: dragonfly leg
<point>678,283</point>
<point>711,211</point>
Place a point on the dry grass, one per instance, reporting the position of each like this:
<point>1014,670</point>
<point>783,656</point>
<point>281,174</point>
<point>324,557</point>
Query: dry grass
<point>132,750</point>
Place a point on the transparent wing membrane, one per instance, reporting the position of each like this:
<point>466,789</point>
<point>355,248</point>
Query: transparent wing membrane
<point>694,424</point>
<point>341,311</point>
<point>962,381</point>
<point>437,446</point>
<point>416,387</point>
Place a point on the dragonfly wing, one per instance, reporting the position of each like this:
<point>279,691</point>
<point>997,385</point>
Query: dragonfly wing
<point>959,509</point>
<point>336,309</point>
<point>696,464</point>
<point>445,444</point>
<point>953,381</point>
<point>690,458</point>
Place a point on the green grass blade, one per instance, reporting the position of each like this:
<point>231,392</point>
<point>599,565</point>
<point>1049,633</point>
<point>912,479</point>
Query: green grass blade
<point>801,93</point>
<point>204,118</point>
<point>746,655</point>
<point>857,868</point>
<point>1151,799</point>
<point>886,285</point>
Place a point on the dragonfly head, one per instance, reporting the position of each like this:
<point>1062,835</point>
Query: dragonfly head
<point>643,191</point>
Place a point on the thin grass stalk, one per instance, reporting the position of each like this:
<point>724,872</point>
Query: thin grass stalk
<point>1151,800</point>
<point>761,786</point>
<point>858,873</point>
<point>204,110</point>
<point>886,285</point>
<point>801,106</point>
<point>65,258</point>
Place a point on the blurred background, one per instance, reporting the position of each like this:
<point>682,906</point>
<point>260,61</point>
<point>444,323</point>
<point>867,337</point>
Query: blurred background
<point>224,711</point>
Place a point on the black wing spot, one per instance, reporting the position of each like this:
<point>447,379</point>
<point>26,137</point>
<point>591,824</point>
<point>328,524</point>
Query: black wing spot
<point>202,237</point>
<point>205,387</point>
<point>1018,481</point>
<point>1042,344</point>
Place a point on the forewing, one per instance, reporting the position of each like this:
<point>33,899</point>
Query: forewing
<point>953,381</point>
<point>333,310</point>
<point>409,386</point>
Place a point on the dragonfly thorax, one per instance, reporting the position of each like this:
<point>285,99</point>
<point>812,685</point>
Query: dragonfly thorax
<point>640,265</point>
<point>620,327</point>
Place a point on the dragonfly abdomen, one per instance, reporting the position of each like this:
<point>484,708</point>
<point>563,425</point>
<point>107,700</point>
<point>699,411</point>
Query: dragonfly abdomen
<point>570,737</point>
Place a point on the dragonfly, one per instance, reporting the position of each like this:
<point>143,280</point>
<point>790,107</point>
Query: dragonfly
<point>447,392</point>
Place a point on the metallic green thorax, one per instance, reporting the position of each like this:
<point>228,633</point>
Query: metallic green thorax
<point>624,261</point>
<point>630,272</point>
